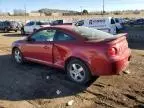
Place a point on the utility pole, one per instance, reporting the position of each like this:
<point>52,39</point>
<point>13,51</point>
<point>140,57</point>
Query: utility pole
<point>103,7</point>
<point>81,11</point>
<point>25,10</point>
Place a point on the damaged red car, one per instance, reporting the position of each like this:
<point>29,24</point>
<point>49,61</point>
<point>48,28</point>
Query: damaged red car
<point>82,52</point>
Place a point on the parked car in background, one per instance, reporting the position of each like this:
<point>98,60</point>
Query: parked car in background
<point>7,26</point>
<point>32,26</point>
<point>118,23</point>
<point>81,51</point>
<point>60,22</point>
<point>139,21</point>
<point>108,25</point>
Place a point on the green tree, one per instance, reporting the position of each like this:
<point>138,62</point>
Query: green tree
<point>85,12</point>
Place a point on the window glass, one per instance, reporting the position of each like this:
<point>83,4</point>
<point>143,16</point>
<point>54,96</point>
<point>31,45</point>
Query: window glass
<point>44,35</point>
<point>60,36</point>
<point>117,21</point>
<point>80,23</point>
<point>112,21</point>
<point>38,23</point>
<point>30,24</point>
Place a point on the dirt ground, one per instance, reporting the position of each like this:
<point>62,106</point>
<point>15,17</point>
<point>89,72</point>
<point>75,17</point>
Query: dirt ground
<point>26,86</point>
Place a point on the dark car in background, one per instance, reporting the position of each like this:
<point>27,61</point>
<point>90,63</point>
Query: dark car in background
<point>7,26</point>
<point>60,22</point>
<point>137,22</point>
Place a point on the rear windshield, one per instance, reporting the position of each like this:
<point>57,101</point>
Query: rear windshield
<point>91,33</point>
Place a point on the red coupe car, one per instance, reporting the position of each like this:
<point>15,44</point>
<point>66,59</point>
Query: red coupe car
<point>83,52</point>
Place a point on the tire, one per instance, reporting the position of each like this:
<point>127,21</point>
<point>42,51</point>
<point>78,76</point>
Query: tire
<point>81,77</point>
<point>5,30</point>
<point>17,56</point>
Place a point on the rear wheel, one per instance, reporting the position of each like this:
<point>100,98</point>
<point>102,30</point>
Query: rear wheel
<point>17,55</point>
<point>78,72</point>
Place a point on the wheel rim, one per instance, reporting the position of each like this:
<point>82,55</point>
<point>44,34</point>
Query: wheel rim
<point>77,72</point>
<point>17,56</point>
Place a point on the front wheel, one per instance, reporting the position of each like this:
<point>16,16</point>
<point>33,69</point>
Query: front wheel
<point>5,30</point>
<point>17,55</point>
<point>78,72</point>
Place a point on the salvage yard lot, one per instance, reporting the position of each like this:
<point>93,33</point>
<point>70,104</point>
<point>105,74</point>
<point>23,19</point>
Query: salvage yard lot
<point>25,86</point>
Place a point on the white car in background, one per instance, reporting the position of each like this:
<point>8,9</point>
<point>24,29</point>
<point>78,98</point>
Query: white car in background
<point>118,23</point>
<point>32,26</point>
<point>105,24</point>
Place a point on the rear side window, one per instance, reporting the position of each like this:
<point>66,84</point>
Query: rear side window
<point>30,24</point>
<point>61,36</point>
<point>38,23</point>
<point>80,23</point>
<point>42,23</point>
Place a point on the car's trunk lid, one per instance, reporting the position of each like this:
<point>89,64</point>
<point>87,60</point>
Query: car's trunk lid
<point>118,41</point>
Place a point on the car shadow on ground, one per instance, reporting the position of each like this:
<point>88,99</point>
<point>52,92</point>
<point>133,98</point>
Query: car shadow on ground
<point>13,35</point>
<point>34,81</point>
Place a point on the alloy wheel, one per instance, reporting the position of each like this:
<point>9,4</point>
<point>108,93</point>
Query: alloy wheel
<point>77,72</point>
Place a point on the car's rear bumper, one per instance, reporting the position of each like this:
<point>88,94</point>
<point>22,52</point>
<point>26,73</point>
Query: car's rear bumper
<point>110,67</point>
<point>121,65</point>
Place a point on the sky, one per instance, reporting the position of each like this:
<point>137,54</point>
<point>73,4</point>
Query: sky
<point>77,5</point>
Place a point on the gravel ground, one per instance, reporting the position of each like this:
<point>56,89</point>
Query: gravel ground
<point>37,86</point>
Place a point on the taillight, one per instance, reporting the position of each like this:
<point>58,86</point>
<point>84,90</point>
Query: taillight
<point>112,51</point>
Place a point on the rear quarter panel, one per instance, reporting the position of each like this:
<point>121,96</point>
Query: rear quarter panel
<point>89,53</point>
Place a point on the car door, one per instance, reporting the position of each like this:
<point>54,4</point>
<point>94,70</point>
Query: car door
<point>39,46</point>
<point>63,43</point>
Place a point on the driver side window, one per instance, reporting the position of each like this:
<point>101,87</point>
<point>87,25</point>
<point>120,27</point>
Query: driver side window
<point>43,36</point>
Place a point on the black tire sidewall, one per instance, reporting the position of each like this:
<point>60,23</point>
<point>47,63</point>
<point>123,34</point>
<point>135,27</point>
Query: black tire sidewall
<point>87,71</point>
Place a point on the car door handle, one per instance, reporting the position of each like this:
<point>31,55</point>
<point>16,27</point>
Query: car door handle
<point>46,47</point>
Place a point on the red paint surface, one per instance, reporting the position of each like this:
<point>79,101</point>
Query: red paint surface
<point>93,53</point>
